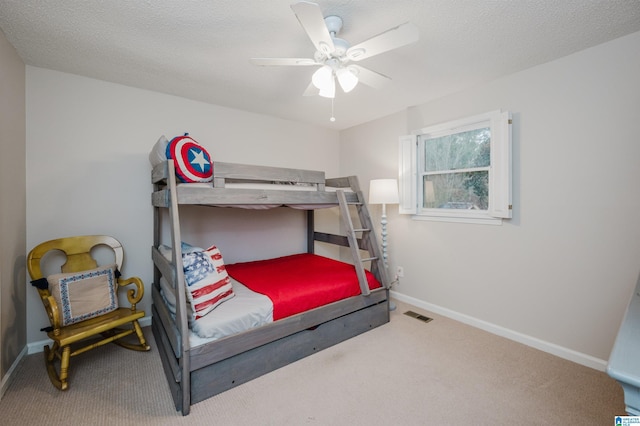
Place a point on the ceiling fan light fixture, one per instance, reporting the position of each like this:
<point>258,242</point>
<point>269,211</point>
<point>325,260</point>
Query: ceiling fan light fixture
<point>329,91</point>
<point>347,79</point>
<point>323,77</point>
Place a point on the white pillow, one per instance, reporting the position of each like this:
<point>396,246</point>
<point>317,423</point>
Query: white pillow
<point>158,153</point>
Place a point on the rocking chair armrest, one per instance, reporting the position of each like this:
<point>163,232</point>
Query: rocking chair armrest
<point>53,312</point>
<point>133,295</point>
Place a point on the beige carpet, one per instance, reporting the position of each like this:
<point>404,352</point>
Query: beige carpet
<point>404,373</point>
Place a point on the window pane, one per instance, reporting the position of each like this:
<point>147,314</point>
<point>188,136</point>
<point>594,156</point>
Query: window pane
<point>462,150</point>
<point>469,191</point>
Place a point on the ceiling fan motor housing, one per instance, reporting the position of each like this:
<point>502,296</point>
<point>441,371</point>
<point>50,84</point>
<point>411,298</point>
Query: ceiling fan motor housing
<point>334,24</point>
<point>341,46</point>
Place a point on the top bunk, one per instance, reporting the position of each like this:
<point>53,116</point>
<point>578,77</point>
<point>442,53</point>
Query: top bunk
<point>251,186</point>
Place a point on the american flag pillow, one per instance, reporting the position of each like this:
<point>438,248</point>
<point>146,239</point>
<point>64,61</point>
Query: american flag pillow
<point>208,283</point>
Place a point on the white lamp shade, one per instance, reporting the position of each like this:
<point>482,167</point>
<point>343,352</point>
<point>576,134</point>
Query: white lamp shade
<point>329,91</point>
<point>347,79</point>
<point>383,191</point>
<point>323,77</point>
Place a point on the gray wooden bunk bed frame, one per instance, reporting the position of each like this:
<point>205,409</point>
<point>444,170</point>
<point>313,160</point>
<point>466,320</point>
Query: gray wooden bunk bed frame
<point>195,374</point>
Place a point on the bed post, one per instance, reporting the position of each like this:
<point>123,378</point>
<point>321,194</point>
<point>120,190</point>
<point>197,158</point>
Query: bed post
<point>310,231</point>
<point>181,315</point>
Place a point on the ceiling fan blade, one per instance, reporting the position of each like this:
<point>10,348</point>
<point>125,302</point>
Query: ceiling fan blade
<point>310,17</point>
<point>311,90</point>
<point>283,61</point>
<point>368,77</point>
<point>391,39</point>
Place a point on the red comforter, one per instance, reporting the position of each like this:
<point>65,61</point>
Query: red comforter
<point>299,282</point>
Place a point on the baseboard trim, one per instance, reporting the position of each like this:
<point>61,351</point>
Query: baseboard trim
<point>552,348</point>
<point>7,379</point>
<point>36,347</point>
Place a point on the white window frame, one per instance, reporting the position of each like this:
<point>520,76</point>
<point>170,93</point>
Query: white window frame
<point>410,179</point>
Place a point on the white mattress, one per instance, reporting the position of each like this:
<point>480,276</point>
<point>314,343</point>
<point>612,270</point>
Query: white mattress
<point>246,310</point>
<point>271,186</point>
<point>254,185</point>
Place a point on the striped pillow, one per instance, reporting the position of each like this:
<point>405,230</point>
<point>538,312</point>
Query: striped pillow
<point>208,284</point>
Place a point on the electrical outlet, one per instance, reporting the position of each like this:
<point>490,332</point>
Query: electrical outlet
<point>400,271</point>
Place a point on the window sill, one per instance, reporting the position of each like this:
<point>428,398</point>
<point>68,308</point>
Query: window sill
<point>459,218</point>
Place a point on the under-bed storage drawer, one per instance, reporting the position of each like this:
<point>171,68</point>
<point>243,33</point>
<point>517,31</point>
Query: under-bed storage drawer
<point>245,366</point>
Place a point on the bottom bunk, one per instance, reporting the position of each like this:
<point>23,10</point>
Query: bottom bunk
<point>306,317</point>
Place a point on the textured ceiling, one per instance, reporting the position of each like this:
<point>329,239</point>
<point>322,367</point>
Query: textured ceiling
<point>200,49</point>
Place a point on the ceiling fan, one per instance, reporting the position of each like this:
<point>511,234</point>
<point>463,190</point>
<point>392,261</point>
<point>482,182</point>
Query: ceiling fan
<point>335,55</point>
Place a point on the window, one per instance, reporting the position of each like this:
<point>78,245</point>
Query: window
<point>459,170</point>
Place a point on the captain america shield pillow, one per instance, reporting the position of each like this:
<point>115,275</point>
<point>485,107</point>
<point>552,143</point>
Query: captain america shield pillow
<point>191,160</point>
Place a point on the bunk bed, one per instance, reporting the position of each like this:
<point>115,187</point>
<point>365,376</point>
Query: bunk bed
<point>198,368</point>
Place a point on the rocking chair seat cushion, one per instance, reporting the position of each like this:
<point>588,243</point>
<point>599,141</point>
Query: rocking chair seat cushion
<point>86,294</point>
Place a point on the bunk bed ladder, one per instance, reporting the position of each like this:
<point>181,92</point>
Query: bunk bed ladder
<point>378,266</point>
<point>366,243</point>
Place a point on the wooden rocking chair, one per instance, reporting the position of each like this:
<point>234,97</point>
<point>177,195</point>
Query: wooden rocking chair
<point>93,289</point>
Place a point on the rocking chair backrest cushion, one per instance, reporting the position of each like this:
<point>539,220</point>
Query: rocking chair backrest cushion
<point>84,295</point>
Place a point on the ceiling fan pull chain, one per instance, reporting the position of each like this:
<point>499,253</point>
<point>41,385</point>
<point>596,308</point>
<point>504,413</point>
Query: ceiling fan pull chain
<point>332,119</point>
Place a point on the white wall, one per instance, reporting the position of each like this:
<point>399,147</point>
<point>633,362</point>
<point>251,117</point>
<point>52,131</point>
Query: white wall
<point>12,209</point>
<point>560,273</point>
<point>88,172</point>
